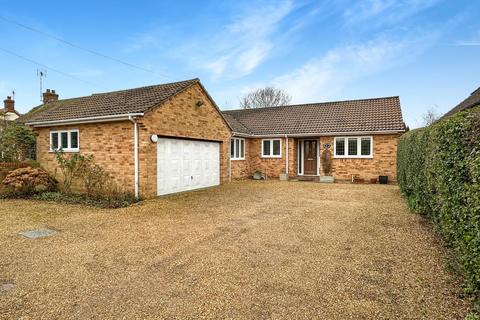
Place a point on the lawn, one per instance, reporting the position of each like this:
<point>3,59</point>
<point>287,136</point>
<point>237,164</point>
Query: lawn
<point>244,250</point>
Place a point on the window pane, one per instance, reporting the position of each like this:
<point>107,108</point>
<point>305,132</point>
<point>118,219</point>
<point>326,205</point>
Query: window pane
<point>365,146</point>
<point>266,147</point>
<point>276,147</point>
<point>54,141</point>
<point>237,148</point>
<point>242,148</point>
<point>64,140</point>
<point>352,146</point>
<point>74,139</point>
<point>232,148</point>
<point>340,147</point>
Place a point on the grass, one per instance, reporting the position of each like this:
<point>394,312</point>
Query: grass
<point>243,250</point>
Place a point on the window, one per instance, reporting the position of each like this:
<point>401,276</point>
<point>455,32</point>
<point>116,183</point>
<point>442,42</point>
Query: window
<point>66,140</point>
<point>353,147</point>
<point>271,148</point>
<point>237,149</point>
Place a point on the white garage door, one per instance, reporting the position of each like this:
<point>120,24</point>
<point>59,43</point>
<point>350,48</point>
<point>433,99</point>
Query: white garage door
<point>184,165</point>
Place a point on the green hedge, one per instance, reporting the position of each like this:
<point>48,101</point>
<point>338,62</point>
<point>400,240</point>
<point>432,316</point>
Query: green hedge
<point>439,174</point>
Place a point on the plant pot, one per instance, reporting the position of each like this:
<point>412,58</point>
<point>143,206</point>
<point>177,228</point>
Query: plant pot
<point>373,180</point>
<point>383,179</point>
<point>283,176</point>
<point>359,180</point>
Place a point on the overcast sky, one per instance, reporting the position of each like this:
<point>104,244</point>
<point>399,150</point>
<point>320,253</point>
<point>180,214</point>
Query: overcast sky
<point>426,52</point>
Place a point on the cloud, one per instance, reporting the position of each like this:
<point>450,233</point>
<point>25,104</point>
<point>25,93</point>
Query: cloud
<point>473,41</point>
<point>246,42</point>
<point>378,12</point>
<point>323,78</point>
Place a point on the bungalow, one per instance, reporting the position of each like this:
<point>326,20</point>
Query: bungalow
<point>172,137</point>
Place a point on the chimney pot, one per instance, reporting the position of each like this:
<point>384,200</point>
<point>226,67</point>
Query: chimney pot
<point>50,96</point>
<point>9,104</point>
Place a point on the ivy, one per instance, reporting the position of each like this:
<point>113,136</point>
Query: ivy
<point>439,174</point>
<point>17,142</point>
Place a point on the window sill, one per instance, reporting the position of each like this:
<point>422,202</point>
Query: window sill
<point>272,157</point>
<point>65,151</point>
<point>352,157</point>
<point>237,159</point>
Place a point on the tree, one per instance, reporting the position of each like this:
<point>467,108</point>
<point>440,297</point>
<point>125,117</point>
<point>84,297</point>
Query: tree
<point>430,116</point>
<point>266,97</point>
<point>17,142</point>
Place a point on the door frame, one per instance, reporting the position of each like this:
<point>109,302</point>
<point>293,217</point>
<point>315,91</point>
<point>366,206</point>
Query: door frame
<point>301,154</point>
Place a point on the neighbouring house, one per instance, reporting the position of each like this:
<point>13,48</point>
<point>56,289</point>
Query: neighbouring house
<point>360,135</point>
<point>471,101</point>
<point>8,113</point>
<point>172,137</point>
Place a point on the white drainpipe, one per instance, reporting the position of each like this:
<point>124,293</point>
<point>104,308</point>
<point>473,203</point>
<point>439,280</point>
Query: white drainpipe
<point>135,152</point>
<point>286,154</point>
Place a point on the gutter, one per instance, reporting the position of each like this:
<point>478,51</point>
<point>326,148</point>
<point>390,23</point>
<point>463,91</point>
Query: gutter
<point>297,135</point>
<point>117,117</point>
<point>286,155</point>
<point>135,152</point>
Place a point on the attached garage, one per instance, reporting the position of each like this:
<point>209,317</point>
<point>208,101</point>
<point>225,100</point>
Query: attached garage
<point>184,165</point>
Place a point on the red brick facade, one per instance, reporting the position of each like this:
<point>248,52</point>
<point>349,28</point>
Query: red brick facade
<point>112,144</point>
<point>383,161</point>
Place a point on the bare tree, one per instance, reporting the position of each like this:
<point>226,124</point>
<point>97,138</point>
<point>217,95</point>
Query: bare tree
<point>430,116</point>
<point>266,97</point>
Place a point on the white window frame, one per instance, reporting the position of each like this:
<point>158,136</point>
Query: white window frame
<point>359,147</point>
<point>237,141</point>
<point>271,149</point>
<point>69,138</point>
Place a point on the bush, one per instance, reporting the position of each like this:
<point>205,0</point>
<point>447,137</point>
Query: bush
<point>29,181</point>
<point>71,166</point>
<point>439,174</point>
<point>17,142</point>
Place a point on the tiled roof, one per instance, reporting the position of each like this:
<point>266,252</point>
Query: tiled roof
<point>138,100</point>
<point>472,101</point>
<point>366,115</point>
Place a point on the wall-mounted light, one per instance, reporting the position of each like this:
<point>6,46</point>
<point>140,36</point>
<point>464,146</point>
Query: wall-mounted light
<point>199,103</point>
<point>154,138</point>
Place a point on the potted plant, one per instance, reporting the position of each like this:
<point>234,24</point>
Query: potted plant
<point>326,166</point>
<point>373,180</point>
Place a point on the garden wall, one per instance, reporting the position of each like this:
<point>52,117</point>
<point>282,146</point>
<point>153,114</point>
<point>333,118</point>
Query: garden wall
<point>438,170</point>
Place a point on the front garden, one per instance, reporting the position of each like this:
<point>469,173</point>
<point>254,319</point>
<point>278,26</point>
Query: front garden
<point>80,179</point>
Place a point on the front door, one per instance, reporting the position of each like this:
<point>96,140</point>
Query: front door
<point>310,157</point>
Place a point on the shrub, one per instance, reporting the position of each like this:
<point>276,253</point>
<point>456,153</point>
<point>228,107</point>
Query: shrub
<point>113,201</point>
<point>72,167</point>
<point>17,142</point>
<point>29,181</point>
<point>439,174</point>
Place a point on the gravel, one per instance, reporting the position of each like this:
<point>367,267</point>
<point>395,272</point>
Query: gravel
<point>253,249</point>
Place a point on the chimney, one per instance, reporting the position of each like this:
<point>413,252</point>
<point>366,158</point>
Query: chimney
<point>9,104</point>
<point>49,96</point>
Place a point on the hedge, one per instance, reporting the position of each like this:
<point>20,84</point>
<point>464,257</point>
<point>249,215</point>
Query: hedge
<point>438,171</point>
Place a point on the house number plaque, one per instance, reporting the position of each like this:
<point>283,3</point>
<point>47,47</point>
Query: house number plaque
<point>326,146</point>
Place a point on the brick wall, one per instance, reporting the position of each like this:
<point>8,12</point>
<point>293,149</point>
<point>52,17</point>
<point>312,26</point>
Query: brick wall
<point>382,163</point>
<point>181,117</point>
<point>272,166</point>
<point>111,143</point>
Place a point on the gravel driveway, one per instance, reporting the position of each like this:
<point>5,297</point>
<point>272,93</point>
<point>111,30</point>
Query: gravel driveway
<point>254,250</point>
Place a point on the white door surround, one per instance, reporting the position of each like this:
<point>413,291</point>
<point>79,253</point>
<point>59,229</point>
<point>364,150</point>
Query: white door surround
<point>301,156</point>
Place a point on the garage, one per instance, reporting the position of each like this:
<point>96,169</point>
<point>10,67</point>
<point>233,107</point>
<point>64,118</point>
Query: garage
<point>184,165</point>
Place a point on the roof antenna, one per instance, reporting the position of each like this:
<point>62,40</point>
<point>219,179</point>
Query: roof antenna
<point>13,95</point>
<point>41,74</point>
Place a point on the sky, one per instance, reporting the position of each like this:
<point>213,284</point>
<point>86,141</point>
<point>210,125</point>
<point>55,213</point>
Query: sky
<point>425,51</point>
